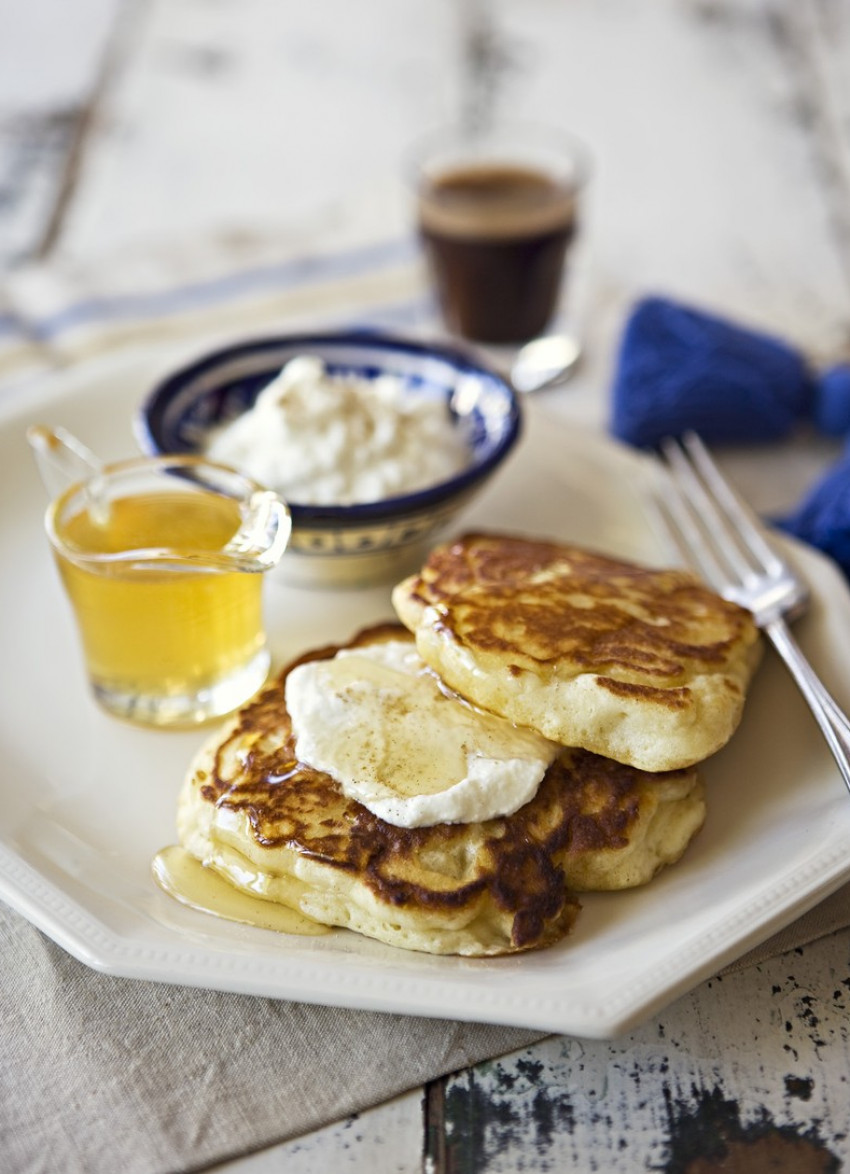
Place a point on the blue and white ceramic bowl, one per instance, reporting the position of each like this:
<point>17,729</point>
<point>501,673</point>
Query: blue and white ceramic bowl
<point>342,545</point>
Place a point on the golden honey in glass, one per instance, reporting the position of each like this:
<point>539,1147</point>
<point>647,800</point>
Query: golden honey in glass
<point>162,559</point>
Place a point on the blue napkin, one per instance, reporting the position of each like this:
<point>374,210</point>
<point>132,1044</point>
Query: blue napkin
<point>681,368</point>
<point>823,517</point>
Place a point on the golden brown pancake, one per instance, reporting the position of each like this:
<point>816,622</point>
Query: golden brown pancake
<point>279,829</point>
<point>648,667</point>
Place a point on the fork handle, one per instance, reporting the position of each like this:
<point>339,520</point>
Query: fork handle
<point>834,724</point>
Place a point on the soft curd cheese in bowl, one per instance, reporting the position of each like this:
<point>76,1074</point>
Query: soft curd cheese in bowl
<point>337,439</point>
<point>375,442</point>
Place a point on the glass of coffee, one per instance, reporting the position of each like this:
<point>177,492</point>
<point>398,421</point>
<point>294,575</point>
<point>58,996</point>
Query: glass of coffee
<point>497,212</point>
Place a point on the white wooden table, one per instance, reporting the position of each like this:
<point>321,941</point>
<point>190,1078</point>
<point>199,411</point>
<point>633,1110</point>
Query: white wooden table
<point>721,133</point>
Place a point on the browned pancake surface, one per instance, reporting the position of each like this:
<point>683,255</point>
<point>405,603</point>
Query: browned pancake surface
<point>515,623</point>
<point>538,602</point>
<point>508,879</point>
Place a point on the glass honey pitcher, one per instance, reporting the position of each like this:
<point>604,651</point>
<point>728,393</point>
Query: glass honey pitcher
<point>162,559</point>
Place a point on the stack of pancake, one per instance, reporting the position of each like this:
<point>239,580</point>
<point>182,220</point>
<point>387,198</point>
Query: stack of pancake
<point>633,675</point>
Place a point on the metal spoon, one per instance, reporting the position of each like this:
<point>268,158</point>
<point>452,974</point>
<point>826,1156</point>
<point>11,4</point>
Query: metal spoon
<point>545,362</point>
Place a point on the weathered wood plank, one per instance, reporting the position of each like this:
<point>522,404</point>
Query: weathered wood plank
<point>707,185</point>
<point>823,32</point>
<point>51,63</point>
<point>249,114</point>
<point>813,38</point>
<point>737,1069</point>
<point>33,150</point>
<point>704,162</point>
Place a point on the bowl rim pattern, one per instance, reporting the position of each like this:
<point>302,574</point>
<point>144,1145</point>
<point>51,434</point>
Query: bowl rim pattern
<point>149,415</point>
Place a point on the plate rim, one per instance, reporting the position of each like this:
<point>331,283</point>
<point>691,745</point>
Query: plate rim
<point>54,911</point>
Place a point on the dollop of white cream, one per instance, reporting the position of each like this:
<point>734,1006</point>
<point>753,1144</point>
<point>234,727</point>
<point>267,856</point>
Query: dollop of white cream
<point>383,726</point>
<point>319,438</point>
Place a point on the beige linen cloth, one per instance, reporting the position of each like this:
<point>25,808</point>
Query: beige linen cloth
<point>101,1074</point>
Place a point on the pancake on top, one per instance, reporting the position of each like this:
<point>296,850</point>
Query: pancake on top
<point>647,667</point>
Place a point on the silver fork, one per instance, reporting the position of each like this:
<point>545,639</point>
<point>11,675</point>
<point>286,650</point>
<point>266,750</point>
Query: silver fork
<point>720,537</point>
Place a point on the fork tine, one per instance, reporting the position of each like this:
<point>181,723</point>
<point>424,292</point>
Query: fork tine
<point>708,513</point>
<point>703,519</point>
<point>688,537</point>
<point>736,509</point>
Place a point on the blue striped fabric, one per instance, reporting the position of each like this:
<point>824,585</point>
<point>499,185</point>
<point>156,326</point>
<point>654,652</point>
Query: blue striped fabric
<point>50,315</point>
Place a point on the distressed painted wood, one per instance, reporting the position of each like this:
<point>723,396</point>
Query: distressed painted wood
<point>709,174</point>
<point>721,136</point>
<point>47,99</point>
<point>735,1068</point>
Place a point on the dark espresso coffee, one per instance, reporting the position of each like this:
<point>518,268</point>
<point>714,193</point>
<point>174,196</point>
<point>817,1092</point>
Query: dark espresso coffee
<point>497,237</point>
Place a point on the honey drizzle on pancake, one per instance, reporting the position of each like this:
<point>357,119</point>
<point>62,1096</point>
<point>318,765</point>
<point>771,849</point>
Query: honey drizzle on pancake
<point>255,774</point>
<point>538,602</point>
<point>187,880</point>
<point>512,878</point>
